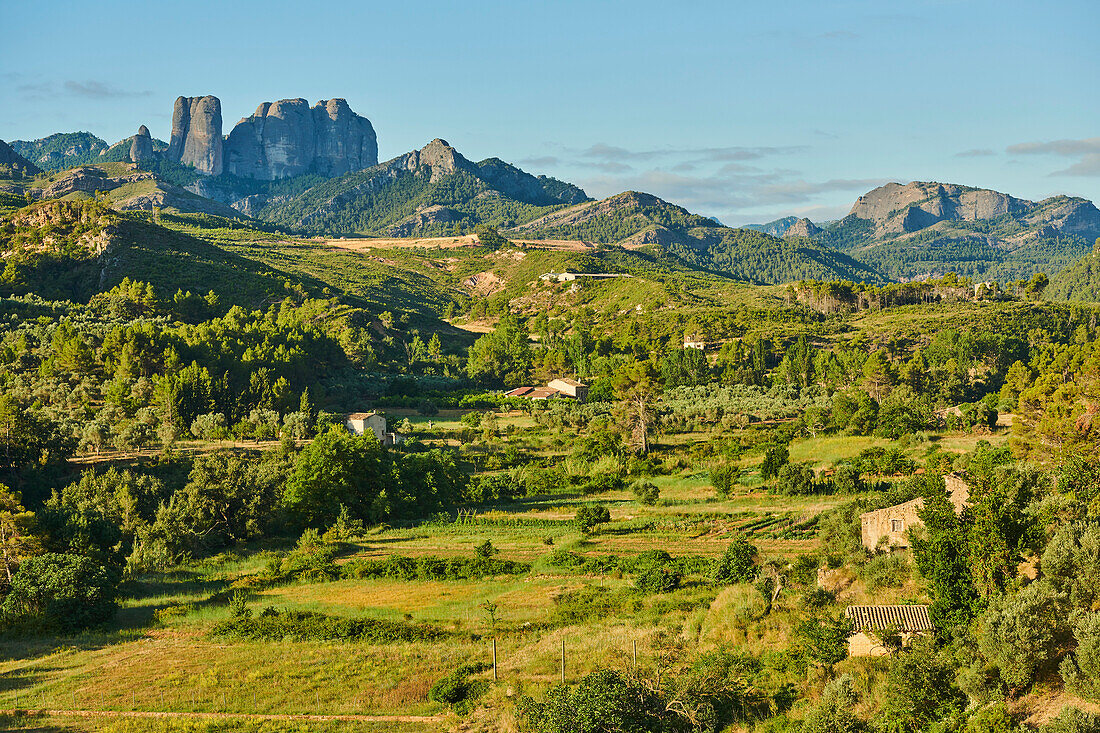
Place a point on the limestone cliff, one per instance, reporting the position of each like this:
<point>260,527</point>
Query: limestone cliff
<point>288,138</point>
<point>197,134</point>
<point>141,145</point>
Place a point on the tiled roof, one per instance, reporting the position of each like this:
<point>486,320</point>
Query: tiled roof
<point>519,392</point>
<point>360,415</point>
<point>570,382</point>
<point>541,393</point>
<point>902,618</point>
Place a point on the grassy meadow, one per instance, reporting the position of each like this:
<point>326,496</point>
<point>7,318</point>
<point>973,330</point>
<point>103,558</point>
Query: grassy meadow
<point>160,654</point>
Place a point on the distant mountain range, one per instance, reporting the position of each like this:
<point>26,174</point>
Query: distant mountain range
<point>315,170</point>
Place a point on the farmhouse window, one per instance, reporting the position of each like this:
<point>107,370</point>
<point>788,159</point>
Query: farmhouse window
<point>897,525</point>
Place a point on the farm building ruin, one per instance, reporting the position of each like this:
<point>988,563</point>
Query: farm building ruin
<point>890,527</point>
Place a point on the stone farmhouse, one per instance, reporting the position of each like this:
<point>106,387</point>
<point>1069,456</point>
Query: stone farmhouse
<point>890,526</point>
<point>555,388</point>
<point>360,422</point>
<point>868,623</point>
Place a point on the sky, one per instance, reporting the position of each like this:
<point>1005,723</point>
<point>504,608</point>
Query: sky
<point>745,111</point>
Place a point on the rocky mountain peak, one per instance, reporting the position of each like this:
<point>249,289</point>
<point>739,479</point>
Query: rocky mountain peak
<point>141,145</point>
<point>288,138</point>
<point>197,134</point>
<point>441,158</point>
<point>802,228</point>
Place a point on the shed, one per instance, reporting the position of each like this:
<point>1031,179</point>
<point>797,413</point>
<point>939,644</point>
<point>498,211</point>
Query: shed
<point>868,623</point>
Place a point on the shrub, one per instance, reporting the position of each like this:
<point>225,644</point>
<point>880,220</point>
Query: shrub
<point>1020,632</point>
<point>1081,670</point>
<point>991,719</point>
<point>646,492</point>
<point>885,571</point>
<point>603,483</point>
<point>796,479</point>
<point>737,564</point>
<point>775,458</point>
<point>602,701</point>
<point>723,479</point>
<point>61,592</point>
<point>658,578</point>
<point>1073,720</point>
<point>396,567</point>
<point>847,479</point>
<point>457,689</point>
<point>312,626</point>
<point>591,516</point>
<point>833,712</point>
<point>485,550</point>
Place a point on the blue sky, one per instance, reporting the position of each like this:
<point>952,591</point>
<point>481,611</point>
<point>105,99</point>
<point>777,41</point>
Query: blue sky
<point>742,110</point>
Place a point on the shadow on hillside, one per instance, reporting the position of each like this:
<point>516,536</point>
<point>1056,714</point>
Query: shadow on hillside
<point>31,723</point>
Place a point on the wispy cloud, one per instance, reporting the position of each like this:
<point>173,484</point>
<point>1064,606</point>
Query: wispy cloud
<point>32,87</point>
<point>725,181</point>
<point>975,153</point>
<point>1086,151</point>
<point>604,151</point>
<point>99,90</point>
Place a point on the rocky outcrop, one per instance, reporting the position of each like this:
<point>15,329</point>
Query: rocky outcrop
<point>197,134</point>
<point>91,180</point>
<point>902,209</point>
<point>288,138</point>
<point>12,163</point>
<point>802,228</point>
<point>141,145</point>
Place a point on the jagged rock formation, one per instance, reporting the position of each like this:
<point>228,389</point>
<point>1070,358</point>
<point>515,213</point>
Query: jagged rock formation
<point>777,228</point>
<point>491,192</point>
<point>12,163</point>
<point>141,145</point>
<point>802,228</point>
<point>197,134</point>
<point>897,209</point>
<point>288,138</point>
<point>926,229</point>
<point>134,189</point>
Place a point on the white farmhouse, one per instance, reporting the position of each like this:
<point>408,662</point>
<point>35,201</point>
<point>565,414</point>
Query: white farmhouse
<point>360,422</point>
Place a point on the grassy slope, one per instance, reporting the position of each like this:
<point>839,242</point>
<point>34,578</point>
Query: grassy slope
<point>171,664</point>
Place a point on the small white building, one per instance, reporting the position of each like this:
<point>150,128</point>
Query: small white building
<point>570,388</point>
<point>360,422</point>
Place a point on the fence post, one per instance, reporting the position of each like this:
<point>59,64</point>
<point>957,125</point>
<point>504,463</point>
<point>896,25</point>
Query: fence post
<point>495,676</point>
<point>563,659</point>
<point>634,643</point>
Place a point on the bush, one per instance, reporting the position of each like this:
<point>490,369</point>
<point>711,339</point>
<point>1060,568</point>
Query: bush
<point>61,592</point>
<point>723,479</point>
<point>396,567</point>
<point>847,479</point>
<point>991,719</point>
<point>457,689</point>
<point>602,484</point>
<point>592,515</point>
<point>1081,669</point>
<point>774,459</point>
<point>1021,632</point>
<point>658,578</point>
<point>603,702</point>
<point>885,571</point>
<point>737,564</point>
<point>1073,720</point>
<point>646,492</point>
<point>796,479</point>
<point>272,625</point>
<point>833,712</point>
